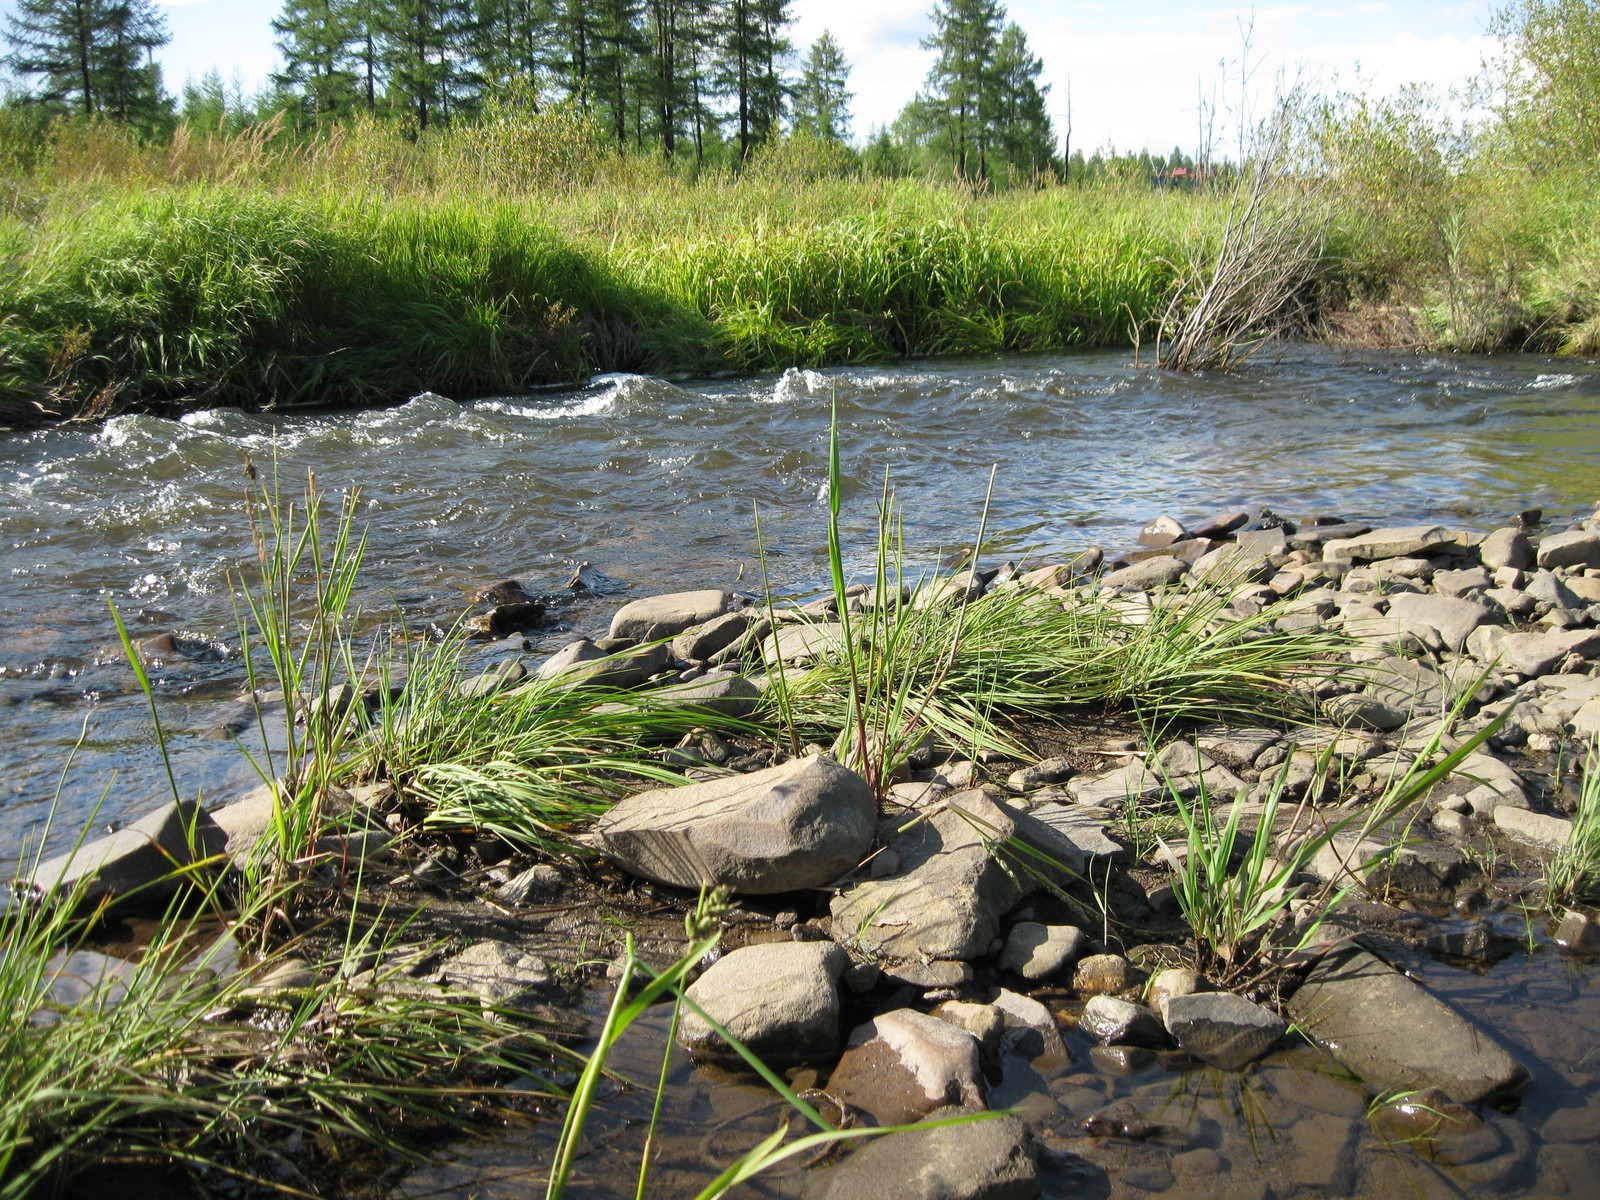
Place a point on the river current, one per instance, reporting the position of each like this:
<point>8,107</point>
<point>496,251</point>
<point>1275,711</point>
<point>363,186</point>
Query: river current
<point>657,483</point>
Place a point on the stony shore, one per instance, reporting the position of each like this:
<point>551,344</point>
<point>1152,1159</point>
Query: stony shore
<point>914,943</point>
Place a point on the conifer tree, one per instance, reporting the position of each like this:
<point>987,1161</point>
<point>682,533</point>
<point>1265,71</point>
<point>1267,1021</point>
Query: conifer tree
<point>960,94</point>
<point>1023,133</point>
<point>822,99</point>
<point>315,38</point>
<point>424,47</point>
<point>91,57</point>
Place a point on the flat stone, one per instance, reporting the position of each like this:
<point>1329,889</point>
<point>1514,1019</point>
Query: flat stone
<point>1223,1029</point>
<point>584,663</point>
<point>1151,573</point>
<point>722,693</point>
<point>1452,618</point>
<point>499,973</point>
<point>1163,531</point>
<point>1237,748</point>
<point>804,823</point>
<point>956,879</point>
<point>655,617</point>
<point>1131,782</point>
<point>985,1160</point>
<point>1535,827</point>
<point>699,642</point>
<point>1576,548</point>
<point>1393,1033</point>
<point>904,1064</point>
<point>136,865</point>
<point>804,642</point>
<point>1461,583</point>
<point>1534,654</point>
<point>1113,1021</point>
<point>1036,952</point>
<point>781,999</point>
<point>1233,567</point>
<point>1400,542</point>
<point>73,981</point>
<point>1083,830</point>
<point>507,673</point>
<point>1364,711</point>
<point>1041,774</point>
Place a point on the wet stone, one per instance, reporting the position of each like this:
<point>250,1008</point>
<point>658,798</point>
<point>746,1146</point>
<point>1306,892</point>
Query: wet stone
<point>1148,1179</point>
<point>1113,1021</point>
<point>1036,952</point>
<point>1223,1029</point>
<point>1104,974</point>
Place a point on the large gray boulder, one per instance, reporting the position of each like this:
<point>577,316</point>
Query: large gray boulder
<point>952,887</point>
<point>992,1159</point>
<point>1506,548</point>
<point>1394,1034</point>
<point>801,824</point>
<point>904,1064</point>
<point>136,866</point>
<point>781,999</point>
<point>656,617</point>
<point>1223,1029</point>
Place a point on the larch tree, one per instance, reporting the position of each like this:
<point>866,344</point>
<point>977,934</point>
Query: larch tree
<point>1023,132</point>
<point>315,37</point>
<point>960,94</point>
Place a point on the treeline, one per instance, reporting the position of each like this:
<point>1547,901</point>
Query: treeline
<point>702,81</point>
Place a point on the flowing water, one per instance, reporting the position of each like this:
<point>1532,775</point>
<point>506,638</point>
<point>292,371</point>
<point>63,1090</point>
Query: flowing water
<point>657,484</point>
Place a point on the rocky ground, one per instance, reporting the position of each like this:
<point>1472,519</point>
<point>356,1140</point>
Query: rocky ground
<point>987,920</point>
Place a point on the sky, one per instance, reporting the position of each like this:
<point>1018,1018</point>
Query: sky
<point>1134,70</point>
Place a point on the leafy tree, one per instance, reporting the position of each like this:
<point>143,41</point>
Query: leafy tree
<point>822,100</point>
<point>1550,78</point>
<point>91,57</point>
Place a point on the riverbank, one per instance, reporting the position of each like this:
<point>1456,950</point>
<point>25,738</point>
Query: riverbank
<point>1401,708</point>
<point>365,272</point>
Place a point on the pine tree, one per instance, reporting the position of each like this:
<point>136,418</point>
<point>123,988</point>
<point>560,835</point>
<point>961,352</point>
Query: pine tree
<point>424,47</point>
<point>961,89</point>
<point>315,37</point>
<point>822,101</point>
<point>91,57</point>
<point>515,45</point>
<point>1023,133</point>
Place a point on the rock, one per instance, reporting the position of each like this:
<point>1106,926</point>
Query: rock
<point>505,619</point>
<point>1552,590</point>
<point>1530,826</point>
<point>992,1159</point>
<point>247,820</point>
<point>1031,1029</point>
<point>1461,583</point>
<point>539,879</point>
<point>1231,567</point>
<point>1578,933</point>
<point>1169,985</point>
<point>507,673</point>
<point>722,693</point>
<point>1506,548</point>
<point>1534,654</point>
<point>584,663</point>
<point>136,865</point>
<point>781,999</point>
<point>1182,758</point>
<point>1041,774</point>
<point>1453,619</point>
<point>1116,786</point>
<point>1083,830</point>
<point>1576,548</point>
<point>1163,531</point>
<point>499,973</point>
<point>1388,543</point>
<point>699,642</point>
<point>76,981</point>
<point>1104,975</point>
<point>1237,748</point>
<point>983,1021</point>
<point>1223,1029</point>
<point>1364,711</point>
<point>1392,1033</point>
<point>805,642</point>
<point>656,617</point>
<point>802,824</point>
<point>1262,543</point>
<point>904,1064</point>
<point>947,899</point>
<point>1036,951</point>
<point>932,974</point>
<point>1151,573</point>
<point>1109,1020</point>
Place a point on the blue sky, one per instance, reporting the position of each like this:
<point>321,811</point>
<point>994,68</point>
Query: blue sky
<point>1135,69</point>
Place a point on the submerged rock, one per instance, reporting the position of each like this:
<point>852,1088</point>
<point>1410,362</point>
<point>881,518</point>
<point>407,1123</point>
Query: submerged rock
<point>781,999</point>
<point>802,824</point>
<point>1395,1034</point>
<point>498,972</point>
<point>993,1159</point>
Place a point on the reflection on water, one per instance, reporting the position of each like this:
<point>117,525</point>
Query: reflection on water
<point>656,483</point>
<point>1294,1126</point>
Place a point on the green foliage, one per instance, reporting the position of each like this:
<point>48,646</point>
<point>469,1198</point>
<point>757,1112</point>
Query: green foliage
<point>91,57</point>
<point>822,99</point>
<point>1574,873</point>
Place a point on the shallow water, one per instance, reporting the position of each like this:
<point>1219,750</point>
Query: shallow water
<point>657,484</point>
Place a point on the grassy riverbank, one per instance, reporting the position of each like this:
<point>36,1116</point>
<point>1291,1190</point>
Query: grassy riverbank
<point>356,266</point>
